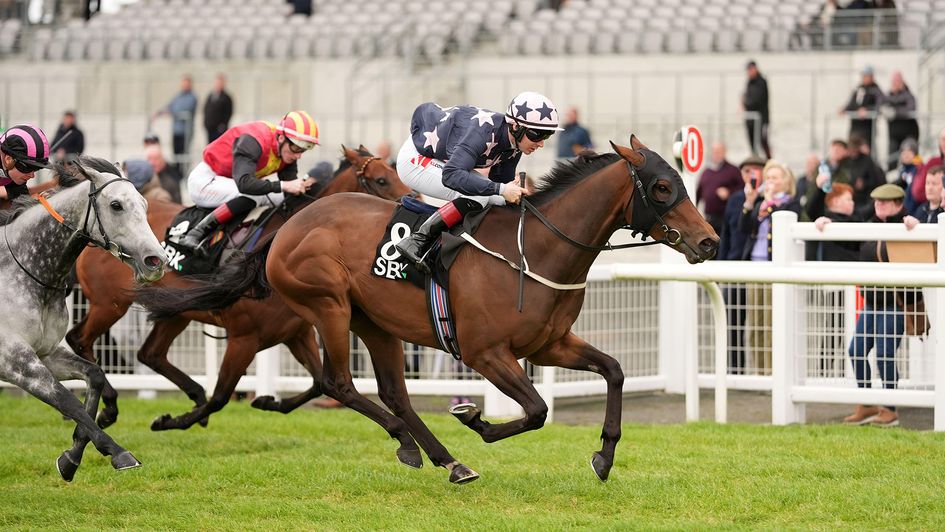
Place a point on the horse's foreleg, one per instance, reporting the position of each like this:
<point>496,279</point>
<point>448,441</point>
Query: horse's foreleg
<point>333,322</point>
<point>573,353</point>
<point>500,367</point>
<point>387,356</point>
<point>240,352</point>
<point>81,339</point>
<point>304,348</point>
<point>24,369</point>
<point>153,353</point>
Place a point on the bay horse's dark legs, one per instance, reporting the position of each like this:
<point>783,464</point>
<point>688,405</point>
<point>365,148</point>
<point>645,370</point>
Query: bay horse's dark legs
<point>240,352</point>
<point>24,369</point>
<point>573,353</point>
<point>500,367</point>
<point>387,356</point>
<point>81,339</point>
<point>333,321</point>
<point>304,347</point>
<point>153,354</point>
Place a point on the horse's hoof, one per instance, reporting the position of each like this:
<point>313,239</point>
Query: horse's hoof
<point>105,419</point>
<point>466,413</point>
<point>204,422</point>
<point>410,457</point>
<point>125,460</point>
<point>601,466</point>
<point>161,423</point>
<point>66,466</point>
<point>264,402</point>
<point>461,474</point>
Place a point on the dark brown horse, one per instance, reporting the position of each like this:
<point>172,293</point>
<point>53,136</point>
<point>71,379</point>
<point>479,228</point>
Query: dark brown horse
<point>321,260</point>
<point>250,325</point>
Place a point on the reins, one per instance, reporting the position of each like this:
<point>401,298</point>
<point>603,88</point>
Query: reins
<point>82,234</point>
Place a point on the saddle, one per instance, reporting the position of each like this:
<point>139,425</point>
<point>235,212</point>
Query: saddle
<point>407,218</point>
<point>239,234</point>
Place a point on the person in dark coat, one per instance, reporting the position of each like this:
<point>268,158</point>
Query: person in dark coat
<point>899,109</point>
<point>755,101</point>
<point>217,110</point>
<point>863,105</point>
<point>69,139</point>
<point>731,244</point>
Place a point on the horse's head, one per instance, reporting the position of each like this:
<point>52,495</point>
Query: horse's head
<point>661,206</point>
<point>374,175</point>
<point>117,219</point>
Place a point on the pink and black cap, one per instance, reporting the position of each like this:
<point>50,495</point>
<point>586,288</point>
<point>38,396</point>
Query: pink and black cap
<point>27,145</point>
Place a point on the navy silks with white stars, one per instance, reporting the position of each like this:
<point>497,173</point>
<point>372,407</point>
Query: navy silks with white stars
<point>467,138</point>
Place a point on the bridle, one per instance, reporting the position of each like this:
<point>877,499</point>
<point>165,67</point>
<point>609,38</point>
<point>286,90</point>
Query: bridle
<point>363,181</point>
<point>640,197</point>
<point>83,235</point>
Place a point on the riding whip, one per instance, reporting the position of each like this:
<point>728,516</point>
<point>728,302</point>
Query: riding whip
<point>521,246</point>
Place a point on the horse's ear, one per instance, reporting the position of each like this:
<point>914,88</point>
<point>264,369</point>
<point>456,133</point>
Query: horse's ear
<point>636,144</point>
<point>636,159</point>
<point>362,149</point>
<point>349,154</point>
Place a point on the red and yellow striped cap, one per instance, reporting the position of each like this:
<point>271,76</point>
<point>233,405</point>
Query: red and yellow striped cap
<point>300,128</point>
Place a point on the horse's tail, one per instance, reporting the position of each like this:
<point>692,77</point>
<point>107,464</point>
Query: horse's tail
<point>243,276</point>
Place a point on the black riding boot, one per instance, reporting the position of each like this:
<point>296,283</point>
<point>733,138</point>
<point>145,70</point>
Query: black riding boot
<point>415,246</point>
<point>195,236</point>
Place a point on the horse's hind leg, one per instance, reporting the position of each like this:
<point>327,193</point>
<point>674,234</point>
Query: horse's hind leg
<point>573,353</point>
<point>240,352</point>
<point>502,369</point>
<point>81,339</point>
<point>24,369</point>
<point>387,355</point>
<point>153,353</point>
<point>304,347</point>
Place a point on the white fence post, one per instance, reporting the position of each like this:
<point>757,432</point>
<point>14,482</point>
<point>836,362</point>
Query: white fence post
<point>547,390</point>
<point>721,350</point>
<point>211,364</point>
<point>938,334</point>
<point>267,371</point>
<point>497,404</point>
<point>783,334</point>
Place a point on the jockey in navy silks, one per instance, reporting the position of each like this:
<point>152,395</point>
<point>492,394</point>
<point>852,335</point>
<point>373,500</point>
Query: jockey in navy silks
<point>467,156</point>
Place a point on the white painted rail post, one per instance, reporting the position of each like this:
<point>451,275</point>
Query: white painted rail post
<point>211,363</point>
<point>547,390</point>
<point>268,362</point>
<point>783,334</point>
<point>720,320</point>
<point>497,404</point>
<point>938,334</point>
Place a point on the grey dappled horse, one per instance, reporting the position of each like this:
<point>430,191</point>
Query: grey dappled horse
<point>40,245</point>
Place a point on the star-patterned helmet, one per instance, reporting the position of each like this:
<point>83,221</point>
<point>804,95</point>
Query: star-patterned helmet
<point>533,111</point>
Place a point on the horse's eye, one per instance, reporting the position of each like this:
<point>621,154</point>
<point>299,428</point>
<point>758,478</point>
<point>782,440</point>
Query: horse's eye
<point>116,206</point>
<point>382,182</point>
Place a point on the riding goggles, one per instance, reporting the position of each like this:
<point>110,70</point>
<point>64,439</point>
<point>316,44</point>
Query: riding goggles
<point>538,135</point>
<point>25,167</point>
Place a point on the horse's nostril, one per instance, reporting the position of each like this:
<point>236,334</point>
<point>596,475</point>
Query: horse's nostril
<point>153,262</point>
<point>709,245</point>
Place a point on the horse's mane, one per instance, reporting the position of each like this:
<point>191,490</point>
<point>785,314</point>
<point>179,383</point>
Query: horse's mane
<point>567,173</point>
<point>67,178</point>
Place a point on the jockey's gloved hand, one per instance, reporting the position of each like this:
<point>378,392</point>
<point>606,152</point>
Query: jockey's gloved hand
<point>512,192</point>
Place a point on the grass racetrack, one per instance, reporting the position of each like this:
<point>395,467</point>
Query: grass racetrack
<point>335,470</point>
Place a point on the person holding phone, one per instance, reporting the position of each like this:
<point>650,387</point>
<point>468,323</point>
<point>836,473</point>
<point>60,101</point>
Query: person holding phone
<point>777,192</point>
<point>731,244</point>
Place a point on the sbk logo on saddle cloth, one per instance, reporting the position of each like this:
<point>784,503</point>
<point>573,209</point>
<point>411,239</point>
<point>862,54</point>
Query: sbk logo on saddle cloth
<point>387,260</point>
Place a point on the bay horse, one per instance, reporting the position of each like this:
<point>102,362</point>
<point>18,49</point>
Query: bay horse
<point>42,240</point>
<point>251,326</point>
<point>321,261</point>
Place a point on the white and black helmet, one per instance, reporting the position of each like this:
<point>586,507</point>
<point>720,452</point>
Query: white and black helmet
<point>533,111</point>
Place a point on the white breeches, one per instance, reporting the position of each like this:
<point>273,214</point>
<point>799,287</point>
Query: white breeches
<point>209,190</point>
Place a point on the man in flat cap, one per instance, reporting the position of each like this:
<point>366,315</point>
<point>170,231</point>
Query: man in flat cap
<point>881,322</point>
